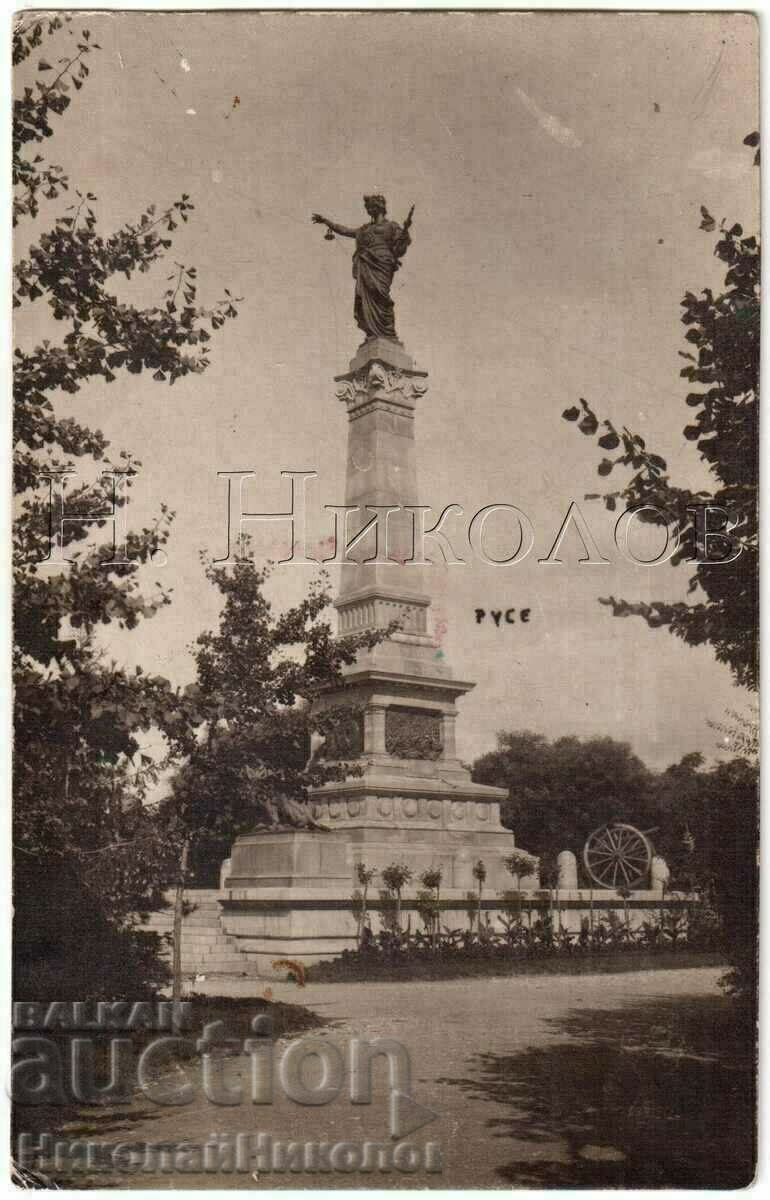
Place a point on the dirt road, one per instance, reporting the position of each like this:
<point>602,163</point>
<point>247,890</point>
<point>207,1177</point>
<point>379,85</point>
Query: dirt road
<point>535,1081</point>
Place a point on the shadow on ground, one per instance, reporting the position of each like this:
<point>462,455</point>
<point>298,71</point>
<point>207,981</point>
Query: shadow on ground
<point>652,1094</point>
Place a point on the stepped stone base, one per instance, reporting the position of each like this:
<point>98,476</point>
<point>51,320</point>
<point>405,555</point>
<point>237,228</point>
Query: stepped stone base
<point>242,931</point>
<point>312,924</point>
<point>287,894</point>
<point>206,948</point>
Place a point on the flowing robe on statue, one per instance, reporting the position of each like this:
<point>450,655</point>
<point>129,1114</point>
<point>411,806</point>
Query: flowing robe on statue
<point>376,260</point>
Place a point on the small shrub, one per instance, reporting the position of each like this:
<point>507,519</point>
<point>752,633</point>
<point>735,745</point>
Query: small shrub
<point>428,908</point>
<point>388,911</point>
<point>395,877</point>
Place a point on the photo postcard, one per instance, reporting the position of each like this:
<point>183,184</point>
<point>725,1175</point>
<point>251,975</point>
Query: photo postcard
<point>385,654</point>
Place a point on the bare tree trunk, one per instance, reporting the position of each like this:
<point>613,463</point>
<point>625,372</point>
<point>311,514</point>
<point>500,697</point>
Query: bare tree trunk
<point>177,934</point>
<point>478,908</point>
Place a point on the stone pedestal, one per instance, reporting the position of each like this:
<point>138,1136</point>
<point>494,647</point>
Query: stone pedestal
<point>659,874</point>
<point>288,893</point>
<point>566,866</point>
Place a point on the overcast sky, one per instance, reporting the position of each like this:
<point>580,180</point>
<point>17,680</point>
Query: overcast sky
<point>557,163</point>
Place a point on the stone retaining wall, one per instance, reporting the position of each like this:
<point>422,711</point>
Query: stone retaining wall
<point>206,948</point>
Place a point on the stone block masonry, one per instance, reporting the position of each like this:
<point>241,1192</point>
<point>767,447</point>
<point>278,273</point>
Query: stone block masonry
<point>206,948</point>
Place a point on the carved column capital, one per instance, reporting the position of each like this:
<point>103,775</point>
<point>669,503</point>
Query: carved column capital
<point>382,386</point>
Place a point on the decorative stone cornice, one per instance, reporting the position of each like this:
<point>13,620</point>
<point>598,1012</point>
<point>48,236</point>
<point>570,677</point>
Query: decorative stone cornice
<point>380,386</point>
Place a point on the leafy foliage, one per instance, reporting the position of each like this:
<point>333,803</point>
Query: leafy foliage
<point>365,875</point>
<point>704,818</point>
<point>479,872</point>
<point>81,780</point>
<point>396,876</point>
<point>431,879</point>
<point>711,815</point>
<point>257,674</point>
<point>722,365</point>
<point>510,941</point>
<point>560,791</point>
<point>33,109</point>
<point>519,863</point>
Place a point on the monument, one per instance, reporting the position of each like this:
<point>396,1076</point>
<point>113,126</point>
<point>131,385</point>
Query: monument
<point>287,893</point>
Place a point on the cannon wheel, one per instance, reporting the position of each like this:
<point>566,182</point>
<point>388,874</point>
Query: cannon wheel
<point>617,855</point>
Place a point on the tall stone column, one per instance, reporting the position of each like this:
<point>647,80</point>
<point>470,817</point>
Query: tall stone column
<point>404,684</point>
<point>378,583</point>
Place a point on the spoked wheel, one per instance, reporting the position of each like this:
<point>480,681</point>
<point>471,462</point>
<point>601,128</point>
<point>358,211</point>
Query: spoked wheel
<point>617,855</point>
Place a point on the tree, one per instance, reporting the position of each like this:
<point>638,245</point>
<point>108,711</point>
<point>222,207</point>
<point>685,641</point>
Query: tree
<point>365,876</point>
<point>257,675</point>
<point>709,819</point>
<point>520,863</point>
<point>83,837</point>
<point>479,873</point>
<point>431,897</point>
<point>396,877</point>
<point>731,866</point>
<point>682,811</point>
<point>558,792</point>
<point>723,365</point>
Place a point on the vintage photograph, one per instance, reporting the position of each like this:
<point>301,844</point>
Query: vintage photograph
<point>385,552</point>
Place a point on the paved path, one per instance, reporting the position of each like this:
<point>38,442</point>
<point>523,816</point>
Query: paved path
<point>471,1046</point>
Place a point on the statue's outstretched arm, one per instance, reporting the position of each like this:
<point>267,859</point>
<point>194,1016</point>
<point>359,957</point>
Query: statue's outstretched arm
<point>342,230</point>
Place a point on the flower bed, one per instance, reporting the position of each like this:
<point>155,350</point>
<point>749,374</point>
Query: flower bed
<point>611,944</point>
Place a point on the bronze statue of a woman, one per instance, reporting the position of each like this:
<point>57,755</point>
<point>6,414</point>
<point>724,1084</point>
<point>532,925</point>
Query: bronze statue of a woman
<point>380,246</point>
